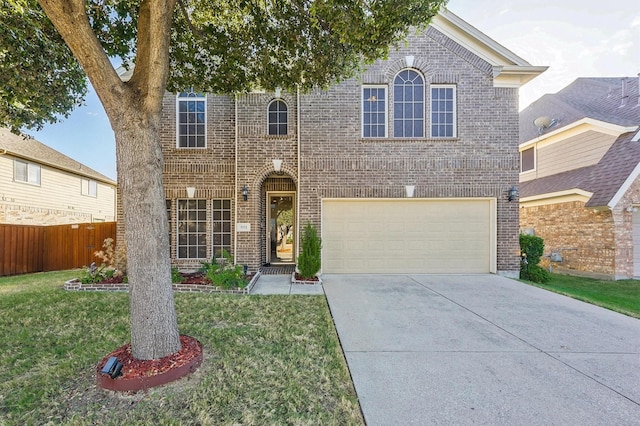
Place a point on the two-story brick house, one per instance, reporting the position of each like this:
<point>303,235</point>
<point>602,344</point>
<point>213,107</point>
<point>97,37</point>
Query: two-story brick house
<point>405,168</point>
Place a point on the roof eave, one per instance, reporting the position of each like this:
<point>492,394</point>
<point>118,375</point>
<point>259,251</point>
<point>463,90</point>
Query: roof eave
<point>58,167</point>
<point>510,70</point>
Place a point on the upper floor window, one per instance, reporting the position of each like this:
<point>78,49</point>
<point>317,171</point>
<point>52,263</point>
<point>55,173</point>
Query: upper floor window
<point>191,120</point>
<point>278,117</point>
<point>527,160</point>
<point>89,187</point>
<point>374,111</point>
<point>26,172</point>
<point>408,105</point>
<point>443,111</point>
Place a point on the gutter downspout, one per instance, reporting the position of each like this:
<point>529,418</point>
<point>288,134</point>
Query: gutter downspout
<point>299,182</point>
<point>235,185</point>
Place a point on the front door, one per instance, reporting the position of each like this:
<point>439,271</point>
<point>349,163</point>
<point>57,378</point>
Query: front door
<point>281,214</point>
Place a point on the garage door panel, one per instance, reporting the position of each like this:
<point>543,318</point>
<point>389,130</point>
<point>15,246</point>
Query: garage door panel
<point>408,236</point>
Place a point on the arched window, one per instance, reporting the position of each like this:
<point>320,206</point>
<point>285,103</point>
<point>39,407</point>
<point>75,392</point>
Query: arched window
<point>277,117</point>
<point>408,105</point>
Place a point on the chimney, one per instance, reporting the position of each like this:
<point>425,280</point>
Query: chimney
<point>625,95</point>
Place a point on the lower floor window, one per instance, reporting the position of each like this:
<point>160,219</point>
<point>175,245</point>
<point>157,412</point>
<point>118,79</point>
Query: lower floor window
<point>221,223</point>
<point>192,229</point>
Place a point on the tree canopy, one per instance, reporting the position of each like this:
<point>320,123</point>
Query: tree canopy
<point>218,46</point>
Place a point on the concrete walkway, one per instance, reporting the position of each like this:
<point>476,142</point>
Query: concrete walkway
<point>483,349</point>
<point>281,284</point>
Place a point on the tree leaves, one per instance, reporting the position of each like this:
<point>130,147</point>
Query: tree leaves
<point>219,46</point>
<point>40,80</point>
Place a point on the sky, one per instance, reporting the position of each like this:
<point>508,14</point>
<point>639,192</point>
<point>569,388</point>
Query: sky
<point>575,38</point>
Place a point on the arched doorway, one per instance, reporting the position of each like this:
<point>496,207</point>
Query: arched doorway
<point>279,195</point>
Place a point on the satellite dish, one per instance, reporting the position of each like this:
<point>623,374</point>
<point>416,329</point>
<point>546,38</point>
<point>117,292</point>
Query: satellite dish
<point>542,122</point>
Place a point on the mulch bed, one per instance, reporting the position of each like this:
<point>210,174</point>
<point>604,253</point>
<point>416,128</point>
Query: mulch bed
<point>137,374</point>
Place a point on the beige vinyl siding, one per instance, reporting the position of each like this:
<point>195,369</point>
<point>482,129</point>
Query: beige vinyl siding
<point>59,195</point>
<point>578,151</point>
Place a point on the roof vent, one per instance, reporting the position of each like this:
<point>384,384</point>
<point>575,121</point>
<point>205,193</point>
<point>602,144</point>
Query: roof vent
<point>625,95</point>
<point>543,123</point>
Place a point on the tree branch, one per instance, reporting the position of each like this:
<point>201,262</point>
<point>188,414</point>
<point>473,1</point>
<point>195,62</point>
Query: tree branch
<point>70,19</point>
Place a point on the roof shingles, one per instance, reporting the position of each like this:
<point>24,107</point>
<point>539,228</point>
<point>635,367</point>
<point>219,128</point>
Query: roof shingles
<point>38,152</point>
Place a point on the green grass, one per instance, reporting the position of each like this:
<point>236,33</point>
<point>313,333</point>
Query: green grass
<point>268,360</point>
<point>621,296</point>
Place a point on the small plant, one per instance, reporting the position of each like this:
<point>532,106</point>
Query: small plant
<point>309,259</point>
<point>532,248</point>
<point>176,276</point>
<point>93,274</point>
<point>107,254</point>
<point>223,273</point>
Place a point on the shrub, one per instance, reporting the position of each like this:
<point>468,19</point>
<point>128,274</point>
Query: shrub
<point>309,259</point>
<point>223,273</point>
<point>107,254</point>
<point>532,249</point>
<point>176,276</point>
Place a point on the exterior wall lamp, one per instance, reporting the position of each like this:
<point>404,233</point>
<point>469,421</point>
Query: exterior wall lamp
<point>513,193</point>
<point>245,193</point>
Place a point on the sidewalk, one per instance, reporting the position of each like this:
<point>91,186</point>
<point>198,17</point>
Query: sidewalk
<point>281,284</point>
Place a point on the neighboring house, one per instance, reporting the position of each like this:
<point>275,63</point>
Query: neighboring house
<point>579,186</point>
<point>405,168</point>
<point>41,186</point>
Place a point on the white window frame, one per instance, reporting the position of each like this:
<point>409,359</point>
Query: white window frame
<point>535,159</point>
<point>32,173</point>
<point>424,106</point>
<point>385,112</point>
<point>454,112</point>
<point>277,122</point>
<point>190,95</point>
<point>89,187</point>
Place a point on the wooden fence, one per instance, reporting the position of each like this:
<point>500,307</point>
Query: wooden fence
<point>25,249</point>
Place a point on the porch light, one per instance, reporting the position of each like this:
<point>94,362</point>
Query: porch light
<point>277,165</point>
<point>191,191</point>
<point>513,193</point>
<point>409,190</point>
<point>245,193</point>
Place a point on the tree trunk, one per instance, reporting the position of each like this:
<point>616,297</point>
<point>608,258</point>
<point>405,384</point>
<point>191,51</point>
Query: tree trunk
<point>154,328</point>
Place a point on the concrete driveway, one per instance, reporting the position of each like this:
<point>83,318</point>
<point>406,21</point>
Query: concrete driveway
<point>483,349</point>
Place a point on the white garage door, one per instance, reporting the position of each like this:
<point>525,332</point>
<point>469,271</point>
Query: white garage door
<point>429,236</point>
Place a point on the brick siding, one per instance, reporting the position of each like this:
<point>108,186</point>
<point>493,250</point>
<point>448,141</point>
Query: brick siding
<point>482,161</point>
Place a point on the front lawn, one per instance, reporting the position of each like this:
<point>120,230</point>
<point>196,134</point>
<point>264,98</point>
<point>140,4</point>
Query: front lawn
<point>267,360</point>
<point>621,296</point>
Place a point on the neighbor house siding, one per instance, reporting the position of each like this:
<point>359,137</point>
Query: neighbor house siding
<point>56,200</point>
<point>585,149</point>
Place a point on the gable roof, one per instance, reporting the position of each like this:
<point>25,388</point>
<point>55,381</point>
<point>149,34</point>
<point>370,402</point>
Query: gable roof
<point>598,98</point>
<point>30,149</point>
<point>509,69</point>
<point>610,104</point>
<point>607,180</point>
